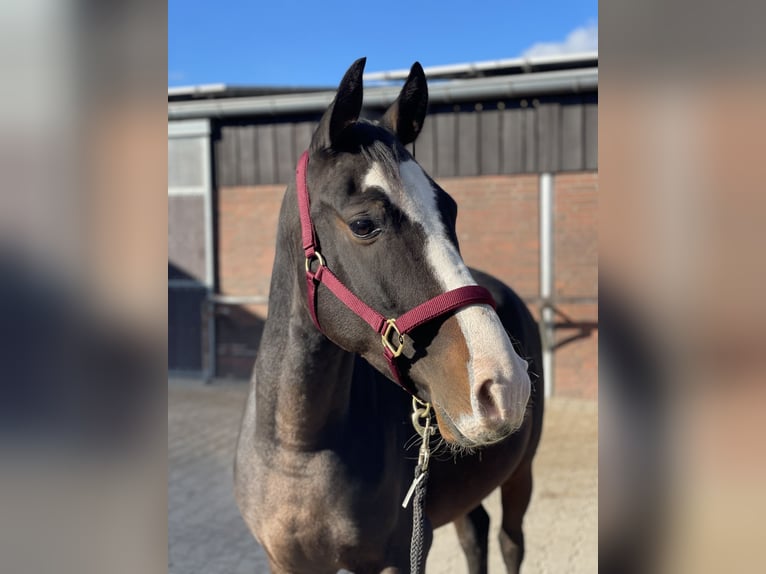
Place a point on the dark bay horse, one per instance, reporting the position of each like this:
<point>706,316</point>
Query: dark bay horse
<point>322,463</point>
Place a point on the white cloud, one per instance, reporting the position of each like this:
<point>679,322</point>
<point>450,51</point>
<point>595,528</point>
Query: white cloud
<point>582,39</point>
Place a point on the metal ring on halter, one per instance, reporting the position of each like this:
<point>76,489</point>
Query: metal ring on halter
<point>318,257</point>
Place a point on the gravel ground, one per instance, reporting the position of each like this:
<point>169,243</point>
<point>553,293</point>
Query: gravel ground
<point>206,535</point>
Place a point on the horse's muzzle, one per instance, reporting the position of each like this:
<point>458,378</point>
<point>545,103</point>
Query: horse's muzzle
<point>498,404</point>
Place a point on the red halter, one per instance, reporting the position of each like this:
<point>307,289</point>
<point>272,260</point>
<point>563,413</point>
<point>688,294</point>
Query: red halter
<point>391,331</point>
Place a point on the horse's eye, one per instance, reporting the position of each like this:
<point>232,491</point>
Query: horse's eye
<point>364,228</point>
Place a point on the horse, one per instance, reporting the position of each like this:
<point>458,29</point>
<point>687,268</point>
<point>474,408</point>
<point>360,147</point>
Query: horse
<point>321,465</point>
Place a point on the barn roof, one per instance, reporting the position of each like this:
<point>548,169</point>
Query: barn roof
<point>512,78</point>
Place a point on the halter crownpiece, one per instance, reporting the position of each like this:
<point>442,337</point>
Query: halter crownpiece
<point>391,330</point>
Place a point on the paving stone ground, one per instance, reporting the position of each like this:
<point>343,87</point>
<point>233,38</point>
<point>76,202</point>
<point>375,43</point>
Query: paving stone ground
<point>206,534</point>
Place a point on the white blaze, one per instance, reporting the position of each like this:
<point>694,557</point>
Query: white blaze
<point>491,355</point>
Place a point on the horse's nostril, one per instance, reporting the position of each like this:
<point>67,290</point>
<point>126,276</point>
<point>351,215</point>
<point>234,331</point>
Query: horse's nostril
<point>487,400</point>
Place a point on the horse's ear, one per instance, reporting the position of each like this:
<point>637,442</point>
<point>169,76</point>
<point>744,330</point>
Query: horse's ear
<point>344,109</point>
<point>406,115</point>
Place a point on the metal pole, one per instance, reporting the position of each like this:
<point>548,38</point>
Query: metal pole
<point>210,254</point>
<point>546,279</point>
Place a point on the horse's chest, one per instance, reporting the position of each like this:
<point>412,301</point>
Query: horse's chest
<point>318,513</point>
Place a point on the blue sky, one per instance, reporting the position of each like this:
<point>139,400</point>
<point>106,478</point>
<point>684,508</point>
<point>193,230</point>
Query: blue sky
<point>286,42</point>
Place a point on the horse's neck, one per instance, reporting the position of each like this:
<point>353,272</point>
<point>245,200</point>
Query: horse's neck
<point>303,380</point>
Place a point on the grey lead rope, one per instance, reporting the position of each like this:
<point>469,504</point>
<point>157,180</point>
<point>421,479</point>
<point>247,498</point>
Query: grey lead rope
<point>418,519</point>
<point>419,482</point>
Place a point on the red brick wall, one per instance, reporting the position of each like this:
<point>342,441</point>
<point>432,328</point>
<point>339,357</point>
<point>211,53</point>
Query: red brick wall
<point>246,234</point>
<point>247,226</point>
<point>576,360</point>
<point>576,275</point>
<point>497,226</point>
<point>498,232</point>
<point>576,240</point>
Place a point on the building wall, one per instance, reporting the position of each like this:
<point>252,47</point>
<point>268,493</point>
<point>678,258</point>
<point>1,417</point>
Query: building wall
<point>247,225</point>
<point>488,155</point>
<point>498,233</point>
<point>190,256</point>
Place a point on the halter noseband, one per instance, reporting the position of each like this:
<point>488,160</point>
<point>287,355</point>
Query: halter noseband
<point>391,331</point>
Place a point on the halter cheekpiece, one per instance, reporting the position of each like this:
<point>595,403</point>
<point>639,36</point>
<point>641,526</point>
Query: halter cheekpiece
<point>391,330</point>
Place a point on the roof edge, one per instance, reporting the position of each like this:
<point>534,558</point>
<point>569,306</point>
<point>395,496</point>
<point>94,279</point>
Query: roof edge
<point>527,64</point>
<point>455,91</point>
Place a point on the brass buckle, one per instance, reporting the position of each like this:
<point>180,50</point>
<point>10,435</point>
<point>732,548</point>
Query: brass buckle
<point>391,326</point>
<point>318,257</point>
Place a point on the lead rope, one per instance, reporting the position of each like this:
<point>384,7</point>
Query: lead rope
<point>417,490</point>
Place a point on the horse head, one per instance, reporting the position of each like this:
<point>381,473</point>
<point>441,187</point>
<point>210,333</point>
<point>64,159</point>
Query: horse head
<point>387,231</point>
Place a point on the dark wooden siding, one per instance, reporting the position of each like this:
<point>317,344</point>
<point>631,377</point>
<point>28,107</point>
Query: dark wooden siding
<point>552,134</point>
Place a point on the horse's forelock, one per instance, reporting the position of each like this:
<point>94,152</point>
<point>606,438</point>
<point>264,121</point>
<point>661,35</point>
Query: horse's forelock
<point>385,157</point>
<point>372,144</point>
